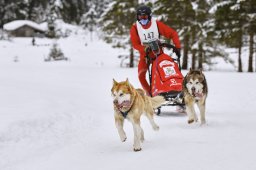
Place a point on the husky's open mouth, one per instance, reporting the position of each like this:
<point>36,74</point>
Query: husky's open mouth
<point>124,104</point>
<point>196,94</point>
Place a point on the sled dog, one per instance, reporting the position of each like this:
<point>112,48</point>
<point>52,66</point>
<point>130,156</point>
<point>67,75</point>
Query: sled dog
<point>195,92</point>
<point>129,103</point>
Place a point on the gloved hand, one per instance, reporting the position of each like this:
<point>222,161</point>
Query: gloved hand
<point>146,48</point>
<point>177,51</point>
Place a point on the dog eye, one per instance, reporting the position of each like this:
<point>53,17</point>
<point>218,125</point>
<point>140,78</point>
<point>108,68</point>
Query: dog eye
<point>190,82</point>
<point>121,94</point>
<point>197,82</point>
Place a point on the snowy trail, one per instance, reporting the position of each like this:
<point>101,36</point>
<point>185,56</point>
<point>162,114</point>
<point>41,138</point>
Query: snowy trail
<point>76,127</point>
<point>59,116</point>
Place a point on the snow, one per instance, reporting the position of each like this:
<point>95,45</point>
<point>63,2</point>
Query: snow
<point>62,28</point>
<point>59,115</point>
<point>194,5</point>
<point>220,4</point>
<point>19,23</point>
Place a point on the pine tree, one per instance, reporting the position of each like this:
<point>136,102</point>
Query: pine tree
<point>116,23</point>
<point>229,24</point>
<point>99,6</point>
<point>249,7</point>
<point>51,18</point>
<point>72,10</point>
<point>203,27</point>
<point>22,9</point>
<point>195,26</point>
<point>89,20</point>
<point>56,52</point>
<point>36,10</point>
<point>180,16</point>
<point>7,11</point>
<point>2,13</point>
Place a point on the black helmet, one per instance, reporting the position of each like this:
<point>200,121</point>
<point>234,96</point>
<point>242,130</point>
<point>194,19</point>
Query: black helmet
<point>144,10</point>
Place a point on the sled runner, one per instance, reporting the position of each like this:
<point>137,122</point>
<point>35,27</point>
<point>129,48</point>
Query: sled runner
<point>165,77</point>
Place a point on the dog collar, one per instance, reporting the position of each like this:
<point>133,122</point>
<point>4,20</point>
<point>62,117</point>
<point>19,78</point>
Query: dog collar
<point>124,114</point>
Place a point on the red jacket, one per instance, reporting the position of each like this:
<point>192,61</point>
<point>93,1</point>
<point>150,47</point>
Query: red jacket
<point>163,29</point>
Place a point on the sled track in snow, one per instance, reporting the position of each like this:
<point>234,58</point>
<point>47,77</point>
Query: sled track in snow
<point>41,136</point>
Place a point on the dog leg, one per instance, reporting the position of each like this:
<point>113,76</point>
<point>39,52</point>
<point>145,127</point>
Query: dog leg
<point>120,129</point>
<point>142,135</point>
<point>150,117</point>
<point>137,135</point>
<point>201,107</point>
<point>191,113</point>
<point>154,125</point>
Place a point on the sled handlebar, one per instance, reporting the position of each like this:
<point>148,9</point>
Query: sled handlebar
<point>151,47</point>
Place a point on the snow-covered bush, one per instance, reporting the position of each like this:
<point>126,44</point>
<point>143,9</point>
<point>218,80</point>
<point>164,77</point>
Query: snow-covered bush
<point>55,53</point>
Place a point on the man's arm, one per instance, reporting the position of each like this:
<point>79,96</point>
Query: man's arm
<point>135,40</point>
<point>168,32</point>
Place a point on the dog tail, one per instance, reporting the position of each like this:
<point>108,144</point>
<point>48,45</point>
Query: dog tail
<point>157,101</point>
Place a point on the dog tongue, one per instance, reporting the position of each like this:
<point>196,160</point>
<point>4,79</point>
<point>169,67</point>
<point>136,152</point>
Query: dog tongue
<point>126,103</point>
<point>198,94</point>
<point>193,93</point>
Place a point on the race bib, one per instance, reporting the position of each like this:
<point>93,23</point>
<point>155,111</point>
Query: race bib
<point>146,35</point>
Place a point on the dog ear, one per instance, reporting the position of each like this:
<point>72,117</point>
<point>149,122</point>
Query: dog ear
<point>190,69</point>
<point>128,84</point>
<point>201,70</point>
<point>127,81</point>
<point>184,82</point>
<point>114,82</point>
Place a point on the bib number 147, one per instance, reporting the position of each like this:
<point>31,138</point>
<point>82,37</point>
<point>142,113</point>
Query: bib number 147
<point>149,36</point>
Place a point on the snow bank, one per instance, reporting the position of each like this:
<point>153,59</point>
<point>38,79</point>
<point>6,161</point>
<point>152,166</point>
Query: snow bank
<point>59,115</point>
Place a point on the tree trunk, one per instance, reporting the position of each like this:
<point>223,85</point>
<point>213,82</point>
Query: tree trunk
<point>240,45</point>
<point>185,53</point>
<point>250,63</point>
<point>193,66</point>
<point>240,67</point>
<point>2,14</point>
<point>131,58</point>
<point>31,6</point>
<point>200,55</point>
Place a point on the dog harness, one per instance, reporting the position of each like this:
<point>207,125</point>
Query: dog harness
<point>124,114</point>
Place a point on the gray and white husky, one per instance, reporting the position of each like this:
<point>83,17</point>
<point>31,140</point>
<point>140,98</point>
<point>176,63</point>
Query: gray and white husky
<point>195,92</point>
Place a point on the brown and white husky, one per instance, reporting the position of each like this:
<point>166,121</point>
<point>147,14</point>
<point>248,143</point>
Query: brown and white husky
<point>195,92</point>
<point>130,103</point>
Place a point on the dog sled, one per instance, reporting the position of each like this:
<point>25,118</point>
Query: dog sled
<point>164,73</point>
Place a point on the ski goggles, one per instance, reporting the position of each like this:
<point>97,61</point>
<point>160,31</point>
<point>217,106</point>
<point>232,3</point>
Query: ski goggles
<point>142,17</point>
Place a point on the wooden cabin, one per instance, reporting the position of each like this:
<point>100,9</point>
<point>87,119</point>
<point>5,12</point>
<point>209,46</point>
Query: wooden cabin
<point>24,28</point>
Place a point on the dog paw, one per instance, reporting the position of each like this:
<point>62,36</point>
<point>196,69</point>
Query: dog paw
<point>136,149</point>
<point>156,128</point>
<point>190,121</point>
<point>203,123</point>
<point>123,139</point>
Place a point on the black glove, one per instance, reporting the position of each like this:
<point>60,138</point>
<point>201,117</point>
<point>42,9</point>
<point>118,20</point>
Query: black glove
<point>177,51</point>
<point>147,48</point>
